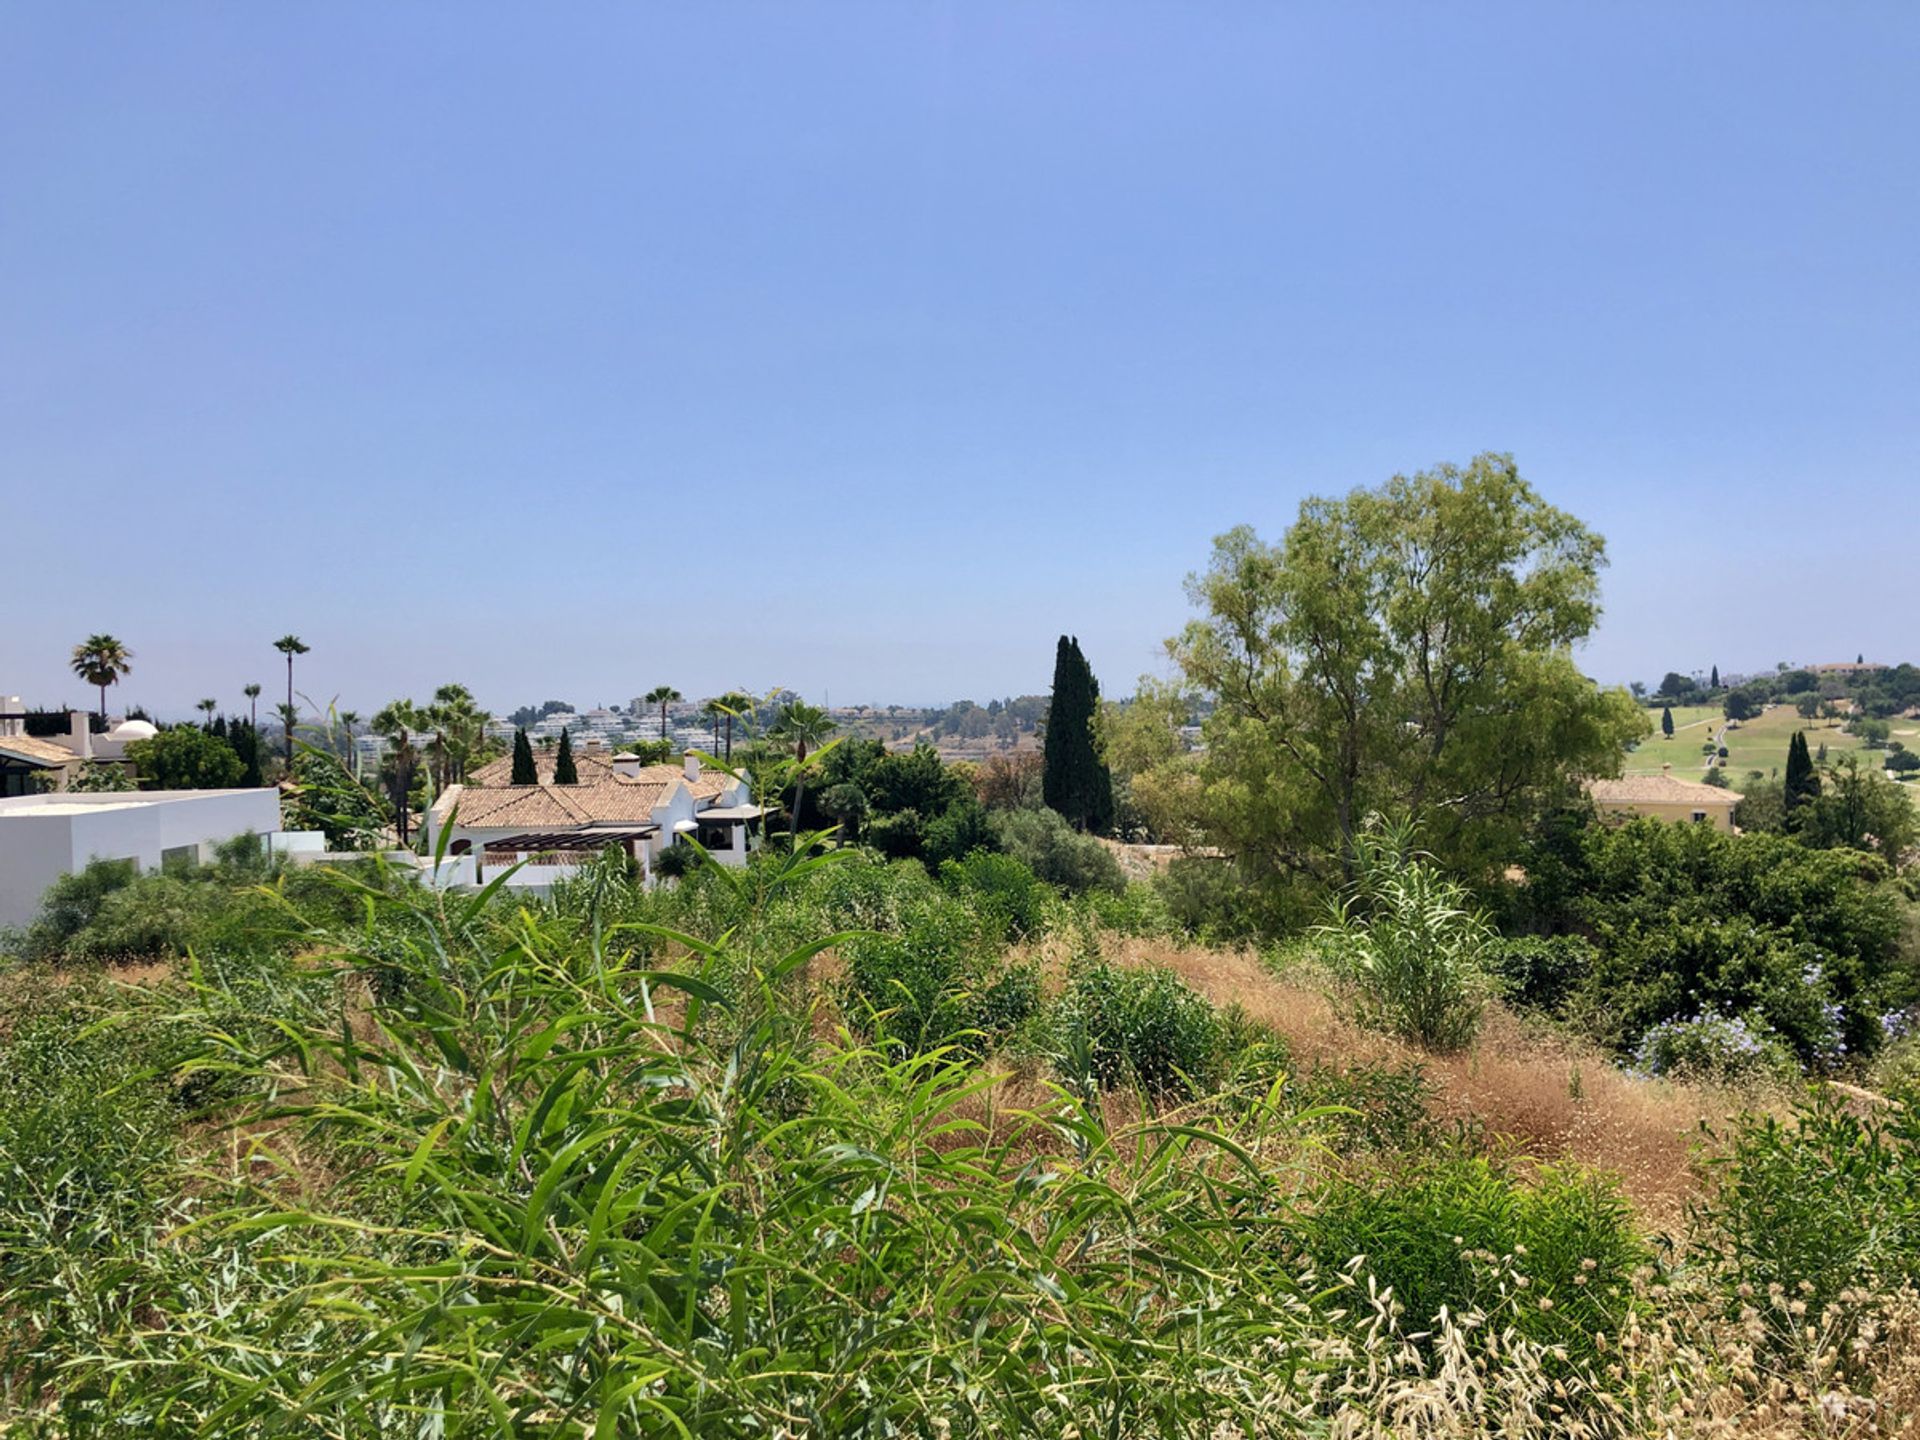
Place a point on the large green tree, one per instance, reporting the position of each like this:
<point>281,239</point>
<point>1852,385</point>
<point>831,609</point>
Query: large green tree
<point>1074,779</point>
<point>1406,650</point>
<point>186,758</point>
<point>524,772</point>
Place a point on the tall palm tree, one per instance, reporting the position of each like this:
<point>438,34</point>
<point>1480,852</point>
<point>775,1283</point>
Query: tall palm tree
<point>102,660</point>
<point>206,708</point>
<point>802,726</point>
<point>252,692</point>
<point>714,712</point>
<point>459,727</point>
<point>396,722</point>
<point>733,705</point>
<point>349,719</point>
<point>290,646</point>
<point>663,696</point>
<point>289,717</point>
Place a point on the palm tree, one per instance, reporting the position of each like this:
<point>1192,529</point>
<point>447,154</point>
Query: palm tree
<point>713,710</point>
<point>396,722</point>
<point>289,717</point>
<point>252,692</point>
<point>290,646</point>
<point>663,696</point>
<point>734,705</point>
<point>802,726</point>
<point>206,708</point>
<point>349,719</point>
<point>102,660</point>
<point>459,726</point>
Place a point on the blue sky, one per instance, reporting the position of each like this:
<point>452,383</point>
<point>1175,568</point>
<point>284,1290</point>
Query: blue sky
<point>864,349</point>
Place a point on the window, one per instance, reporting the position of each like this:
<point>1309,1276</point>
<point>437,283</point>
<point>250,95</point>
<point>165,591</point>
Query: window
<point>1698,816</point>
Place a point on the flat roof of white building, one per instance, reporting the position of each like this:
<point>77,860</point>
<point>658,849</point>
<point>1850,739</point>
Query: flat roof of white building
<point>64,802</point>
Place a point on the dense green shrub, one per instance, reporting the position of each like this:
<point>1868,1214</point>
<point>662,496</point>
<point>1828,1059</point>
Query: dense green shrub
<point>1807,1209</point>
<point>1539,972</point>
<point>1390,1106</point>
<point>1137,1027</point>
<point>1686,919</point>
<point>70,905</point>
<point>1553,1258</point>
<point>1057,853</point>
<point>1213,899</point>
<point>86,1131</point>
<point>999,886</point>
<point>937,983</point>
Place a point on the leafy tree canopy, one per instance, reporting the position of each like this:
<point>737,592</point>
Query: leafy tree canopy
<point>186,758</point>
<point>1403,650</point>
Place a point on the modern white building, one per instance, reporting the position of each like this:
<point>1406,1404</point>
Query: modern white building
<point>43,837</point>
<point>617,801</point>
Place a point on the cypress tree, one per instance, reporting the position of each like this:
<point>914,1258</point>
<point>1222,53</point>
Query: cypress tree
<point>1666,720</point>
<point>1802,782</point>
<point>563,771</point>
<point>1714,683</point>
<point>1074,780</point>
<point>523,771</point>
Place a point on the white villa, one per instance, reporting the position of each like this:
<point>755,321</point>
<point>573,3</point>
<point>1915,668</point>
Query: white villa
<point>32,765</point>
<point>618,801</point>
<point>43,837</point>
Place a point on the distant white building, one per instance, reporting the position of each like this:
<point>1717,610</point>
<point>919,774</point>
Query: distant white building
<point>33,765</point>
<point>43,837</point>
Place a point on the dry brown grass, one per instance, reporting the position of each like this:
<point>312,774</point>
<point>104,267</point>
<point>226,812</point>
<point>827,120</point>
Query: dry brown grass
<point>1547,1095</point>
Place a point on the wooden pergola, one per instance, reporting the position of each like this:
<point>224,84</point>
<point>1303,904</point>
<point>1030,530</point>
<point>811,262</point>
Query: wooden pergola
<point>558,842</point>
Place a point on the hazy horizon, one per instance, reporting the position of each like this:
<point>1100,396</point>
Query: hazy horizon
<point>865,350</point>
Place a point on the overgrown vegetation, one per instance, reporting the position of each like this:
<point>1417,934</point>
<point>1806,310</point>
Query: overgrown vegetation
<point>837,1145</point>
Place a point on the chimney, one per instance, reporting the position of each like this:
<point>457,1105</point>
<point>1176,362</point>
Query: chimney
<point>627,765</point>
<point>593,746</point>
<point>79,734</point>
<point>693,767</point>
<point>9,707</point>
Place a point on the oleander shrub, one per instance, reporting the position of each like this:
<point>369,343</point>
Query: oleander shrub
<point>1144,1027</point>
<point>936,983</point>
<point>1812,1209</point>
<point>1002,890</point>
<point>1552,1257</point>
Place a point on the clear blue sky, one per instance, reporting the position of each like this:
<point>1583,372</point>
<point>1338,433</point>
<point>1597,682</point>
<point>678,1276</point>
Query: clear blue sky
<point>863,349</point>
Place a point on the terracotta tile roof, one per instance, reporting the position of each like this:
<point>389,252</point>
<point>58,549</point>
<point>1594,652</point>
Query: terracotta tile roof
<point>546,806</point>
<point>499,772</point>
<point>32,751</point>
<point>1659,790</point>
<point>711,785</point>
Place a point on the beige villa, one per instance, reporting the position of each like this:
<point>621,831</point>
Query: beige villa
<point>1664,797</point>
<point>617,801</point>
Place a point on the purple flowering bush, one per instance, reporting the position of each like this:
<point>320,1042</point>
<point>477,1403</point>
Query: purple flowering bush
<point>1712,1046</point>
